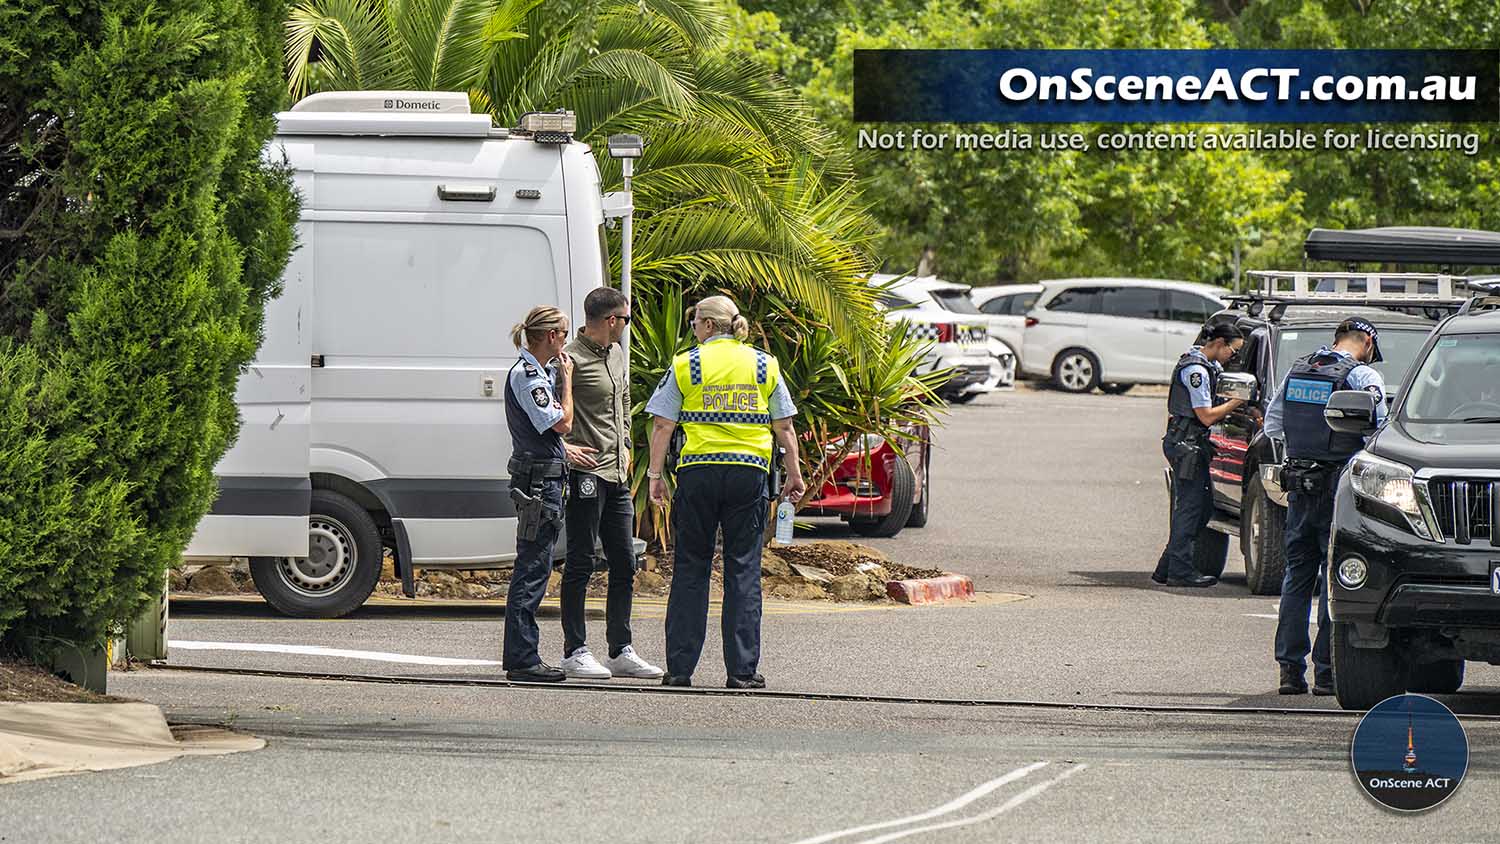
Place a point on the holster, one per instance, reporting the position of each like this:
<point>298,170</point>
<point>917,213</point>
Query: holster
<point>1309,477</point>
<point>1188,446</point>
<point>533,511</point>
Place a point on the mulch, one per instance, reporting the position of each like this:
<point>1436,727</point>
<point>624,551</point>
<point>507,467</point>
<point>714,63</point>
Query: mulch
<point>23,682</point>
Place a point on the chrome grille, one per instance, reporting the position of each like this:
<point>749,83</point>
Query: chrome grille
<point>1466,510</point>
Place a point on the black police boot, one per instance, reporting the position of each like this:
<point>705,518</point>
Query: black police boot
<point>1196,580</point>
<point>1323,683</point>
<point>673,680</point>
<point>1292,681</point>
<point>539,673</point>
<point>754,681</point>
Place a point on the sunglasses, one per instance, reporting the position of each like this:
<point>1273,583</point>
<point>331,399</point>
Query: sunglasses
<point>625,318</point>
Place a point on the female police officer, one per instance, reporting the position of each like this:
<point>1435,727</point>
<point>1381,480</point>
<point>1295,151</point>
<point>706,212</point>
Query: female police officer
<point>729,397</point>
<point>538,411</point>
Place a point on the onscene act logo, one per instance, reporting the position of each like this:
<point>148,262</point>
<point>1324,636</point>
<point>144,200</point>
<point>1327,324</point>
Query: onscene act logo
<point>1410,753</point>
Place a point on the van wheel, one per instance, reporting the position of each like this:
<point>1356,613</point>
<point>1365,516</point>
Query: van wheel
<point>340,571</point>
<point>1210,552</point>
<point>1116,389</point>
<point>1437,678</point>
<point>903,490</point>
<point>1076,371</point>
<point>1363,677</point>
<point>1262,540</point>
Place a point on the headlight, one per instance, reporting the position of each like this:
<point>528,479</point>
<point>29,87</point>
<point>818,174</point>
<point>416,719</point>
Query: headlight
<point>868,442</point>
<point>1390,483</point>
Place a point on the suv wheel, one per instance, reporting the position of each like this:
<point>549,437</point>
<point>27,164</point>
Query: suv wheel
<point>1210,552</point>
<point>1437,678</point>
<point>1076,371</point>
<point>1262,540</point>
<point>339,573</point>
<point>1363,677</point>
<point>903,490</point>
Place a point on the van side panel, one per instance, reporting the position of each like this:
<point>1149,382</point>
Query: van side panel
<point>264,490</point>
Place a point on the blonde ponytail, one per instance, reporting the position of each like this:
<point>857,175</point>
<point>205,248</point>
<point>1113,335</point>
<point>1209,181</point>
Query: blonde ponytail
<point>722,312</point>
<point>538,322</point>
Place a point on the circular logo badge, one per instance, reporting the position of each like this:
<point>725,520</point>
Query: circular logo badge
<point>1410,753</point>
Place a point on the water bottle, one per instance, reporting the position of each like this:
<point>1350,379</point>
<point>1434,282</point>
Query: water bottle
<point>784,513</point>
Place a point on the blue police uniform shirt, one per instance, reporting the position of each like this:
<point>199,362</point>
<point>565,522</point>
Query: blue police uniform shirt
<point>532,408</point>
<point>666,402</point>
<point>1362,377</point>
<point>1198,387</point>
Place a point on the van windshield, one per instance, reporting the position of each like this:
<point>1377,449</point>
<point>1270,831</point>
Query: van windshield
<point>1458,384</point>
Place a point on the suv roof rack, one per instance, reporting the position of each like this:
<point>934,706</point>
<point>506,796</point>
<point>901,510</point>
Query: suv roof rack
<point>1480,303</point>
<point>1380,290</point>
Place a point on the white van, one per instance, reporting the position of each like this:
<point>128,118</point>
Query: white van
<point>374,413</point>
<point>1113,333</point>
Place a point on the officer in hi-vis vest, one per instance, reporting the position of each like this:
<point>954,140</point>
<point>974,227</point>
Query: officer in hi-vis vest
<point>1315,455</point>
<point>1190,413</point>
<point>732,403</point>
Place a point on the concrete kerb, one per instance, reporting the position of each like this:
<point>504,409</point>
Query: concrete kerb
<point>931,590</point>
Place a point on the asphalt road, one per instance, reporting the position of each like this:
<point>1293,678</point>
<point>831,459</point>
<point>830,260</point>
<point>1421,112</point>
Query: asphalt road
<point>1055,498</point>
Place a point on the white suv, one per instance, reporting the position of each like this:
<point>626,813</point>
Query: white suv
<point>958,344</point>
<point>1113,333</point>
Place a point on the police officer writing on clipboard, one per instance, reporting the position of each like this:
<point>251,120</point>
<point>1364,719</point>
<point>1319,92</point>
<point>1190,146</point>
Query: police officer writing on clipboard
<point>1190,413</point>
<point>1315,455</point>
<point>538,411</point>
<point>731,401</point>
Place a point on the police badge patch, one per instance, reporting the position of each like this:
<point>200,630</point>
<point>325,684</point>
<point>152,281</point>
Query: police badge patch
<point>588,486</point>
<point>1196,379</point>
<point>539,395</point>
<point>1373,390</point>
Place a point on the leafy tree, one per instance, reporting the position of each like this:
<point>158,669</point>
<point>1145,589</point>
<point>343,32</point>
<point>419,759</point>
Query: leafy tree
<point>140,235</point>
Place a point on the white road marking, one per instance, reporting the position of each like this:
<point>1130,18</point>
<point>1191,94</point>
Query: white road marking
<point>983,816</point>
<point>951,806</point>
<point>316,650</point>
<point>1312,612</point>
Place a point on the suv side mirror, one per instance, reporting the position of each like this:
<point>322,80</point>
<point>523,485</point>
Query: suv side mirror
<point>1237,385</point>
<point>1351,412</point>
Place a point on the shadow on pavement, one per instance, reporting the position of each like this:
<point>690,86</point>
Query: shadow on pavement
<point>1232,586</point>
<point>254,607</point>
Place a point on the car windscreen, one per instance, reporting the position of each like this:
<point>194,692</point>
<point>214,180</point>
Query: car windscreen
<point>1455,393</point>
<point>1399,346</point>
<point>957,301</point>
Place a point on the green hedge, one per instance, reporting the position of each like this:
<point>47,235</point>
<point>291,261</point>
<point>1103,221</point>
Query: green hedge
<point>140,235</point>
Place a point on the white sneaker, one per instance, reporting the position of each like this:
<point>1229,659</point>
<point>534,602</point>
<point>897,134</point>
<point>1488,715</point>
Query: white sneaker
<point>582,666</point>
<point>628,664</point>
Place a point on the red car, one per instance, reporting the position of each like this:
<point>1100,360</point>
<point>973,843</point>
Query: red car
<point>877,489</point>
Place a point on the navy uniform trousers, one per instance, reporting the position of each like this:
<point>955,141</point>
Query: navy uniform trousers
<point>709,497</point>
<point>1309,519</point>
<point>528,583</point>
<point>1192,507</point>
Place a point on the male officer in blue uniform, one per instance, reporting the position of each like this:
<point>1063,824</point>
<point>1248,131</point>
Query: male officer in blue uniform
<point>538,411</point>
<point>1316,454</point>
<point>1190,413</point>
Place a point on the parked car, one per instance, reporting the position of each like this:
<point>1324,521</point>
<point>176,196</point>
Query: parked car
<point>1414,562</point>
<point>880,487</point>
<point>1113,333</point>
<point>1004,308</point>
<point>956,298</point>
<point>959,345</point>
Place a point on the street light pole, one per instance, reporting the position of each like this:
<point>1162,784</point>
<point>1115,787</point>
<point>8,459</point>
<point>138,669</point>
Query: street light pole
<point>628,166</point>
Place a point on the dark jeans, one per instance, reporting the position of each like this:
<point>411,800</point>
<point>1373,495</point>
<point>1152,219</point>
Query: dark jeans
<point>528,583</point>
<point>709,497</point>
<point>1308,518</point>
<point>610,515</point>
<point>1192,506</point>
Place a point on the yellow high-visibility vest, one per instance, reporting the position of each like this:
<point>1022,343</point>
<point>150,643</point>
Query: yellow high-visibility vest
<point>726,403</point>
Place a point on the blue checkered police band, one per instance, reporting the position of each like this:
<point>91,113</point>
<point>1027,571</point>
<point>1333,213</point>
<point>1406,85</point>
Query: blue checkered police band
<point>724,457</point>
<point>714,417</point>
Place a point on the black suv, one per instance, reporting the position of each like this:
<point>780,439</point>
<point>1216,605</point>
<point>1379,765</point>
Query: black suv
<point>1414,563</point>
<point>1249,502</point>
